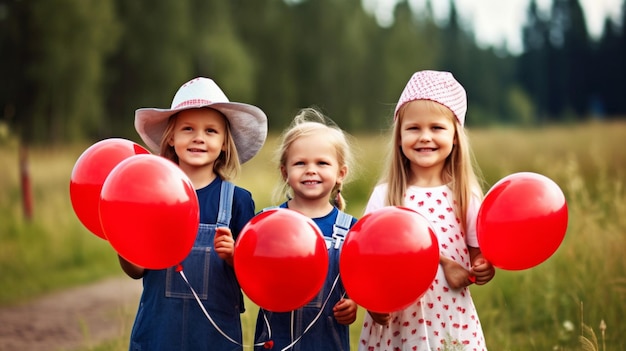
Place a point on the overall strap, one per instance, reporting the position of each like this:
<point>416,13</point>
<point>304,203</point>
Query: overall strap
<point>269,208</point>
<point>226,204</point>
<point>341,228</point>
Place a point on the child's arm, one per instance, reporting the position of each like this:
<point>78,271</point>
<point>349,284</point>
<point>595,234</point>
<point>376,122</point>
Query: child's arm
<point>132,270</point>
<point>224,244</point>
<point>482,270</point>
<point>457,276</point>
<point>345,311</point>
<point>380,318</point>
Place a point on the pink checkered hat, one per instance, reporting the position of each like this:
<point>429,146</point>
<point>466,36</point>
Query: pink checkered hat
<point>437,86</point>
<point>248,123</point>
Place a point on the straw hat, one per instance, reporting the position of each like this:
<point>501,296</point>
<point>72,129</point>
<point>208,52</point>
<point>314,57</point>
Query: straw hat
<point>248,123</point>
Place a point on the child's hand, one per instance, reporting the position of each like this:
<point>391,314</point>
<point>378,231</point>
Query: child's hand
<point>457,276</point>
<point>224,244</point>
<point>482,270</point>
<point>134,271</point>
<point>345,311</point>
<point>380,318</point>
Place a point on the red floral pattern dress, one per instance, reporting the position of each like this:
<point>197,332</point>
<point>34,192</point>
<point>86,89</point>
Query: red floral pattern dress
<point>443,318</point>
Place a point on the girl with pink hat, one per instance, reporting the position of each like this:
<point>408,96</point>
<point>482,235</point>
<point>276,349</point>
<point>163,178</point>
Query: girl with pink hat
<point>430,170</point>
<point>208,137</point>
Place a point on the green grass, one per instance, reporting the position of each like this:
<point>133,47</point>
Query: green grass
<point>53,250</point>
<point>533,309</point>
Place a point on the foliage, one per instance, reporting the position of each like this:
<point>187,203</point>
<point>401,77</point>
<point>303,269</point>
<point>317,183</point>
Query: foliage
<point>60,47</point>
<point>76,70</point>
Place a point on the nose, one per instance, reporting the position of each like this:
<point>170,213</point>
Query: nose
<point>198,137</point>
<point>425,136</point>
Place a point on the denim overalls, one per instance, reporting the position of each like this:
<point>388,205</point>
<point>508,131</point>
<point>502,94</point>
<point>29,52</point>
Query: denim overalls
<point>325,333</point>
<point>170,318</point>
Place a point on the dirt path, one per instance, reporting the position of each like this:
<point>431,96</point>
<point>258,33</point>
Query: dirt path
<point>72,319</point>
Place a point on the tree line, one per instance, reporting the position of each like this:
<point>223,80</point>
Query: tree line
<point>77,69</point>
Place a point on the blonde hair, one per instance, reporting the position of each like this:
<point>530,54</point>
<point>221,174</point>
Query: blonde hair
<point>226,166</point>
<point>310,121</point>
<point>459,170</point>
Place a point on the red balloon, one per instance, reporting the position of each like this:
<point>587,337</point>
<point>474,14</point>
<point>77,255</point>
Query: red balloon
<point>389,259</point>
<point>522,221</point>
<point>149,211</point>
<point>89,173</point>
<point>281,260</point>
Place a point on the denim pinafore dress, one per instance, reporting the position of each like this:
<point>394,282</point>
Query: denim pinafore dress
<point>325,333</point>
<point>169,316</point>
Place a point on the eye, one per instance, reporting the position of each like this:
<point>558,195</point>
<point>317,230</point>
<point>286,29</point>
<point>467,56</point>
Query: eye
<point>186,128</point>
<point>211,130</point>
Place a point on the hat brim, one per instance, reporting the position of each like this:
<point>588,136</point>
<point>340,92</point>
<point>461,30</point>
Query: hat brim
<point>248,126</point>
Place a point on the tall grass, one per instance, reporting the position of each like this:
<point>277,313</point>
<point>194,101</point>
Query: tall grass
<point>534,309</point>
<point>53,250</point>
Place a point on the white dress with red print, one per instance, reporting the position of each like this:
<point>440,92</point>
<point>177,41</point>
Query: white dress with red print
<point>443,318</point>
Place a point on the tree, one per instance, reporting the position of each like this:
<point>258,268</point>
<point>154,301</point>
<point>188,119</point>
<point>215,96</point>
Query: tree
<point>607,88</point>
<point>568,60</point>
<point>273,52</point>
<point>152,59</point>
<point>61,46</point>
<point>217,49</point>
<point>577,53</point>
<point>532,67</point>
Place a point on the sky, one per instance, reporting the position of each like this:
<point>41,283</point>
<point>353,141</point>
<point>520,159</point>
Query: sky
<point>494,21</point>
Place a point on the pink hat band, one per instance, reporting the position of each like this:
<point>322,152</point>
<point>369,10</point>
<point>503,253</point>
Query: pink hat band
<point>194,102</point>
<point>437,86</point>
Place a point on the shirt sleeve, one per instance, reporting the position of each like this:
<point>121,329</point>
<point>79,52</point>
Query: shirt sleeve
<point>471,236</point>
<point>377,199</point>
<point>243,210</point>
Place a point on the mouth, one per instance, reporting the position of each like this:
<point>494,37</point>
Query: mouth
<point>311,182</point>
<point>426,149</point>
<point>196,150</point>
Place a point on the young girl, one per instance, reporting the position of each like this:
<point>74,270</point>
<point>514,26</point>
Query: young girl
<point>314,160</point>
<point>431,171</point>
<point>208,137</point>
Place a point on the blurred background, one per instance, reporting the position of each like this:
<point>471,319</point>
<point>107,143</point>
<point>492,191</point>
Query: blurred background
<point>77,69</point>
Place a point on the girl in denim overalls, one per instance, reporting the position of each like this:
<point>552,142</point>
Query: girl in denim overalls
<point>208,137</point>
<point>314,158</point>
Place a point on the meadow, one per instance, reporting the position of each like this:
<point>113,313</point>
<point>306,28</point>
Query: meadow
<point>560,304</point>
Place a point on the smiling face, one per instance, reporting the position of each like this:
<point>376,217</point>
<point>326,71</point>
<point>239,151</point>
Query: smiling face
<point>198,138</point>
<point>311,168</point>
<point>427,135</point>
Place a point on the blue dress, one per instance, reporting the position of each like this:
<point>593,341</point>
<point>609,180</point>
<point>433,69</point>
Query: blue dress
<point>169,317</point>
<point>325,333</point>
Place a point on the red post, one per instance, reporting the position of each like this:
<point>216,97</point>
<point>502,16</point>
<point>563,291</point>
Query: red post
<point>27,195</point>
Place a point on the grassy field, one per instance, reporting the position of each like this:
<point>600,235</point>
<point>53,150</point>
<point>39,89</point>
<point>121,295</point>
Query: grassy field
<point>549,307</point>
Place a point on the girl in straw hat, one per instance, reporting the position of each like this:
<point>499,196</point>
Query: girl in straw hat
<point>208,137</point>
<point>430,171</point>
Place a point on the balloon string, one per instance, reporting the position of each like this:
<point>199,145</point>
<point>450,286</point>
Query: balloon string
<point>269,331</point>
<point>182,274</point>
<point>314,319</point>
<point>205,311</point>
